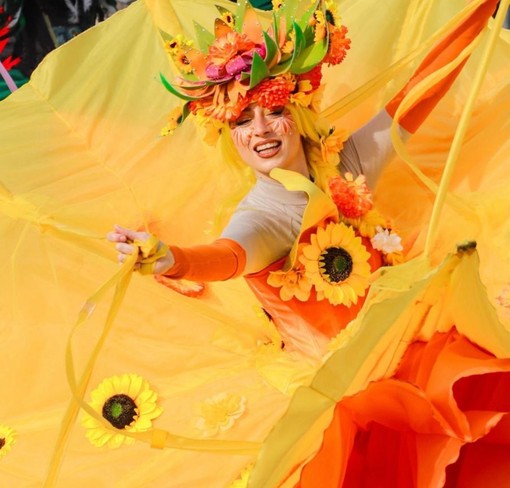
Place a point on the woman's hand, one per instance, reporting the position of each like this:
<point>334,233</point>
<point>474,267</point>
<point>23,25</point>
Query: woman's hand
<point>125,239</point>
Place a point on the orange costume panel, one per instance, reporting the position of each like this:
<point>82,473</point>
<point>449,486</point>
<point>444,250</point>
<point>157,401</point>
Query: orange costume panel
<point>441,420</point>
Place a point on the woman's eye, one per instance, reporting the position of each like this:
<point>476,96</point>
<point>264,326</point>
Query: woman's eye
<point>277,111</point>
<point>241,122</point>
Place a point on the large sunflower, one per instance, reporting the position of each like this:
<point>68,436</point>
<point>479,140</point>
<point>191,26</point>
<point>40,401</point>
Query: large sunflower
<point>336,262</point>
<point>7,439</point>
<point>128,403</point>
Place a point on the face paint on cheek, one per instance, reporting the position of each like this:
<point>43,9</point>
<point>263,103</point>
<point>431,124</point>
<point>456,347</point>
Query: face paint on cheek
<point>242,135</point>
<point>283,125</point>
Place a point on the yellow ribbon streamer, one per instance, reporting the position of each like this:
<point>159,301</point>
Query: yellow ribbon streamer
<point>157,438</point>
<point>462,126</point>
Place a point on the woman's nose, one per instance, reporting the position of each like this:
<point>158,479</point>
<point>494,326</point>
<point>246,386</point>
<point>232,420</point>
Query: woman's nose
<point>261,126</point>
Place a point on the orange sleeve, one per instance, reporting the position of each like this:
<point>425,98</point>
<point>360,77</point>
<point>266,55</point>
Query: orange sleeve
<point>221,260</point>
<point>443,53</point>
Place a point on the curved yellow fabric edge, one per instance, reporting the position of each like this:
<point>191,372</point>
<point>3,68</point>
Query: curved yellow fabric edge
<point>319,207</point>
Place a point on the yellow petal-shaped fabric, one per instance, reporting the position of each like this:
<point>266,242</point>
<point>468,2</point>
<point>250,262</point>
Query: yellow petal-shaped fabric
<point>80,150</point>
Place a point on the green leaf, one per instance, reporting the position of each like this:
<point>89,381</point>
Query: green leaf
<point>304,21</point>
<point>174,91</point>
<point>241,9</point>
<point>281,67</point>
<point>271,48</point>
<point>259,70</point>
<point>185,113</point>
<point>166,36</point>
<point>291,8</point>
<point>204,37</point>
<point>310,57</point>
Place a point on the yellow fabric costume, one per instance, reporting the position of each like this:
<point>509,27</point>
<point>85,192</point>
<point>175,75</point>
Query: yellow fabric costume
<point>79,151</point>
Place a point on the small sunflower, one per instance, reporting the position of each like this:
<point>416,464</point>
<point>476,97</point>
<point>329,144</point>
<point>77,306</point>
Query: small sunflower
<point>319,24</point>
<point>7,439</point>
<point>174,119</point>
<point>183,63</point>
<point>336,262</point>
<point>128,403</point>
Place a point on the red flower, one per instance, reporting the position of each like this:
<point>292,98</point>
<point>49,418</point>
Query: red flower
<point>314,76</point>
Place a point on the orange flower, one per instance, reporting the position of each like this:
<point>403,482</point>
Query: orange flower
<point>274,92</point>
<point>220,105</point>
<point>351,196</point>
<point>339,44</point>
<point>227,47</point>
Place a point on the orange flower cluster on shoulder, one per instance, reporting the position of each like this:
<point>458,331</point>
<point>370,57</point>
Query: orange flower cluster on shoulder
<point>351,196</point>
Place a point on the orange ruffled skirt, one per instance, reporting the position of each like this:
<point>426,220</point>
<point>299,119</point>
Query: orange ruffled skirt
<point>440,421</point>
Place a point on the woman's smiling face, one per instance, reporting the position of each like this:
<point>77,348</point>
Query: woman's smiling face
<point>268,139</point>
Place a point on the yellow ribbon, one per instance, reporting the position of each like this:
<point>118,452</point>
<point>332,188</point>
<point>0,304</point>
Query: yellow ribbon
<point>157,438</point>
<point>151,249</point>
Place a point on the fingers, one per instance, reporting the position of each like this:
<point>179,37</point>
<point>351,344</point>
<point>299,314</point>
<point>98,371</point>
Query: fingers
<point>128,234</point>
<point>122,234</point>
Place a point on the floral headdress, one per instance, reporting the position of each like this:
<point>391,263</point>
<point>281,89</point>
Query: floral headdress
<point>242,63</point>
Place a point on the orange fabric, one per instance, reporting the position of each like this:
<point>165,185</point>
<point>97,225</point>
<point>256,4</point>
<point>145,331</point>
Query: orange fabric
<point>443,53</point>
<point>221,260</point>
<point>426,426</point>
<point>320,315</point>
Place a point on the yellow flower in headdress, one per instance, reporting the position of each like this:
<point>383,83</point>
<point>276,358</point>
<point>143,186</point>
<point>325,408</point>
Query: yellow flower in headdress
<point>7,439</point>
<point>319,23</point>
<point>128,403</point>
<point>292,283</point>
<point>277,4</point>
<point>336,262</point>
<point>174,119</point>
<point>228,18</point>
<point>177,44</point>
<point>183,63</point>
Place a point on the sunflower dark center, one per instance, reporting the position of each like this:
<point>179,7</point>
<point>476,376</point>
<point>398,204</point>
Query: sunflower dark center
<point>330,17</point>
<point>119,410</point>
<point>2,442</point>
<point>336,264</point>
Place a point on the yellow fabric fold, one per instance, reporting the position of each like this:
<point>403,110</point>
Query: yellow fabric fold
<point>100,160</point>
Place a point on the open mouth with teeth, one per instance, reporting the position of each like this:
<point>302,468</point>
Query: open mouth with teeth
<point>267,149</point>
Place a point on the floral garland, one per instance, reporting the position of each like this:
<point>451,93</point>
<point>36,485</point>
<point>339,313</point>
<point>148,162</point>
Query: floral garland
<point>241,63</point>
<point>335,261</point>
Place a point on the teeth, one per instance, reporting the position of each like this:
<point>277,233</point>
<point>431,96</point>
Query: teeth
<point>269,145</point>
